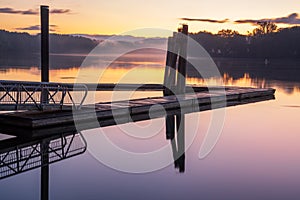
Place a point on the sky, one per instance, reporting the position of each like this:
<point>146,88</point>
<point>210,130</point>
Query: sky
<point>120,16</point>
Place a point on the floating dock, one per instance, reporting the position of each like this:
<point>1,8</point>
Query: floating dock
<point>126,111</point>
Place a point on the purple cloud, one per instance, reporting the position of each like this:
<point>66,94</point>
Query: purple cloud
<point>205,20</point>
<point>8,10</point>
<point>292,19</point>
<point>23,12</point>
<point>32,12</point>
<point>53,28</point>
<point>60,11</point>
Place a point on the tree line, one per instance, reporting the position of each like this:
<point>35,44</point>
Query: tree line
<point>23,44</point>
<point>266,41</point>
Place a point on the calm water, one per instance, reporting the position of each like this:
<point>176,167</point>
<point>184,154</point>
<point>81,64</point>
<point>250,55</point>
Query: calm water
<point>256,156</point>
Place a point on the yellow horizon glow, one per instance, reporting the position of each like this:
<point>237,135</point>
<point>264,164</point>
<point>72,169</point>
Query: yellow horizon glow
<point>115,18</point>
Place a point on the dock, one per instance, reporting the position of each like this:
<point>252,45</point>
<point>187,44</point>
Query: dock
<point>46,105</point>
<point>119,112</point>
<point>43,105</point>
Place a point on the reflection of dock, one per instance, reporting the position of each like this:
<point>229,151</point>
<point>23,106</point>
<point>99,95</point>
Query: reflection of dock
<point>18,155</point>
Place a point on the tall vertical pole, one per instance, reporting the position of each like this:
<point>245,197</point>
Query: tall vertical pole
<point>181,85</point>
<point>44,97</point>
<point>44,50</point>
<point>169,82</point>
<point>45,43</point>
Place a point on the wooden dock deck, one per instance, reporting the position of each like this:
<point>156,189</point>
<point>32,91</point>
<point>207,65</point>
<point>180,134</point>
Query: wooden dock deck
<point>120,112</point>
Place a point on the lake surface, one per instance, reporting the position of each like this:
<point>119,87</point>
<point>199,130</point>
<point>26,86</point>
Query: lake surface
<point>255,157</point>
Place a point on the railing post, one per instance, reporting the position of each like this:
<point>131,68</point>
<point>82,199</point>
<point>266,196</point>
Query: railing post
<point>18,96</point>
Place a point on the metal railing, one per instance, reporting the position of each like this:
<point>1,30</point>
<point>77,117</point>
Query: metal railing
<point>20,95</point>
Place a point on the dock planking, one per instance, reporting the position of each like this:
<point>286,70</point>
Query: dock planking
<point>118,112</point>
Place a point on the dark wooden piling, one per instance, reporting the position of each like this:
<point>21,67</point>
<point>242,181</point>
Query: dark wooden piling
<point>181,75</point>
<point>167,85</point>
<point>44,49</point>
<point>169,82</point>
<point>170,69</point>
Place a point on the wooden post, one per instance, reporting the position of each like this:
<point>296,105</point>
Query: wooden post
<point>169,82</point>
<point>44,50</point>
<point>181,76</point>
<point>173,63</point>
<point>170,70</point>
<point>181,86</point>
<point>167,85</point>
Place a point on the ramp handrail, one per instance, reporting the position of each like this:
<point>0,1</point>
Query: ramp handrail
<point>16,95</point>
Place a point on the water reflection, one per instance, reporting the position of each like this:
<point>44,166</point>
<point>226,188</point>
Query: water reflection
<point>19,154</point>
<point>178,142</point>
<point>256,158</point>
<point>143,73</point>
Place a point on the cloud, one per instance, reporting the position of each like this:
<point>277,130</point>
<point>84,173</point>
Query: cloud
<point>60,11</point>
<point>292,19</point>
<point>23,12</point>
<point>53,28</point>
<point>29,28</point>
<point>29,12</point>
<point>33,12</point>
<point>205,20</point>
<point>8,10</point>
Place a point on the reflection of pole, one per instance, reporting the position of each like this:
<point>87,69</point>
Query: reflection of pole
<point>44,50</point>
<point>180,123</point>
<point>178,144</point>
<point>45,170</point>
<point>170,127</point>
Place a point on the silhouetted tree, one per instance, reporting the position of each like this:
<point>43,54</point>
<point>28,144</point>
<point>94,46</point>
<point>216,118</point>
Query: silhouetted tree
<point>265,27</point>
<point>228,33</point>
